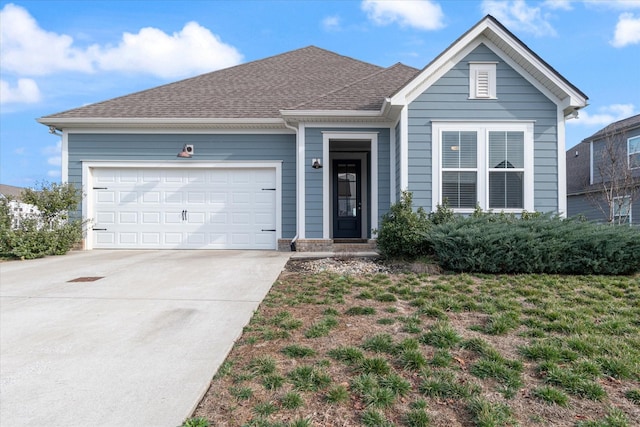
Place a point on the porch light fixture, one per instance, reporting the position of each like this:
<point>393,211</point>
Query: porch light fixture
<point>455,148</point>
<point>316,164</point>
<point>187,151</point>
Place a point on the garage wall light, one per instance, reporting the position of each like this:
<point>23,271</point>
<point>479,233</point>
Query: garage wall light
<point>187,151</point>
<point>316,164</point>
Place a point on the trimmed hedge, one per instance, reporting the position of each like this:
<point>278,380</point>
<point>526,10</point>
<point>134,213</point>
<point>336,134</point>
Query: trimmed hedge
<point>537,244</point>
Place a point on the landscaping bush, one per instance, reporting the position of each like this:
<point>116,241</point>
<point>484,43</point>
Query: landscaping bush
<point>534,244</point>
<point>402,229</point>
<point>49,231</point>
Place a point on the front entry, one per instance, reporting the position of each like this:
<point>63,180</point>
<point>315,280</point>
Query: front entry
<point>347,200</point>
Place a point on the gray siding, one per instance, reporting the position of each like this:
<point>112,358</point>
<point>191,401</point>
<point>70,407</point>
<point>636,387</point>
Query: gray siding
<point>517,100</point>
<point>313,178</point>
<point>587,206</point>
<point>159,147</point>
<point>617,147</point>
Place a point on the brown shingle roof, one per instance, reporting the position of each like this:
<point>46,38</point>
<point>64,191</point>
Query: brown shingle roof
<point>365,94</point>
<point>10,190</point>
<point>260,89</point>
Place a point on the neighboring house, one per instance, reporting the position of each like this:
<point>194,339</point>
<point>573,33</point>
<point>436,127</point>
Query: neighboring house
<point>310,146</point>
<point>603,174</point>
<point>18,207</point>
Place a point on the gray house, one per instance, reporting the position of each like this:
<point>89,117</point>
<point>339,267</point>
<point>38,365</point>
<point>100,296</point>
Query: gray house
<point>313,147</point>
<point>603,174</point>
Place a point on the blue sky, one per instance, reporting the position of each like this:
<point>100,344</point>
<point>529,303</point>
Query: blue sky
<point>58,55</point>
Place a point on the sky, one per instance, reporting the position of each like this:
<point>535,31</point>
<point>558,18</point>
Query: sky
<point>59,55</point>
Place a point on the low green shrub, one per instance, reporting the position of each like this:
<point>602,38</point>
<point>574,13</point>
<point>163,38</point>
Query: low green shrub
<point>401,232</point>
<point>49,231</point>
<point>491,243</point>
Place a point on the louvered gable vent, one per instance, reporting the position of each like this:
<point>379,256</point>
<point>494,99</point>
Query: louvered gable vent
<point>482,80</point>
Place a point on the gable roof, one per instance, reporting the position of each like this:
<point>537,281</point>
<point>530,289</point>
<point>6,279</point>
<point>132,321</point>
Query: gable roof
<point>309,82</point>
<point>517,54</point>
<point>258,89</point>
<point>620,126</point>
<point>10,190</point>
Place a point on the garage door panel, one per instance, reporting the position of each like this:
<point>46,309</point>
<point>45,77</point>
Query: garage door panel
<point>151,197</point>
<point>183,208</point>
<point>173,197</point>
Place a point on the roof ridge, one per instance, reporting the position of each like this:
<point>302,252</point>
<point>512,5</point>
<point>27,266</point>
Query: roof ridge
<point>381,71</point>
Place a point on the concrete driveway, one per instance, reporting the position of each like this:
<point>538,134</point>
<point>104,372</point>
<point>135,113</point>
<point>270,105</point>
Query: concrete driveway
<point>137,347</point>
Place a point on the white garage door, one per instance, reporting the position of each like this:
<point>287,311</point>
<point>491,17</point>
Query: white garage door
<point>222,208</point>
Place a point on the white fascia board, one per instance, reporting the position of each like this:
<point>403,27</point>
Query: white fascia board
<point>436,69</point>
<point>179,122</point>
<point>577,99</point>
<point>465,45</point>
<point>181,131</point>
<point>65,157</point>
<point>562,165</point>
<point>315,116</point>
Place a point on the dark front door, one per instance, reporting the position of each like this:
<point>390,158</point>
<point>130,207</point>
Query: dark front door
<point>347,205</point>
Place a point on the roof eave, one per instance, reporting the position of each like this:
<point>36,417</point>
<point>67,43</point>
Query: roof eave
<point>572,100</point>
<point>334,115</point>
<point>62,123</point>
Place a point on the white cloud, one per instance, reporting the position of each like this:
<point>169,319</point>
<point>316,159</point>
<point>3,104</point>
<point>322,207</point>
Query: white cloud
<point>627,30</point>
<point>420,14</point>
<point>605,115</point>
<point>19,151</point>
<point>27,49</point>
<point>54,173</point>
<point>518,15</point>
<point>26,92</point>
<point>615,4</point>
<point>193,50</point>
<point>331,23</point>
<point>53,154</point>
<point>558,4</point>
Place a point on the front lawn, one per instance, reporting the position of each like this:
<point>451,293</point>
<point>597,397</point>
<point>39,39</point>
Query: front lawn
<point>405,349</point>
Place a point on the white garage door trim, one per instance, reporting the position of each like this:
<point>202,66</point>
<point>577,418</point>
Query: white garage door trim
<point>88,166</point>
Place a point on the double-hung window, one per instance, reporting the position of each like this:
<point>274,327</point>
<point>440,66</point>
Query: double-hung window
<point>621,209</point>
<point>490,164</point>
<point>633,148</point>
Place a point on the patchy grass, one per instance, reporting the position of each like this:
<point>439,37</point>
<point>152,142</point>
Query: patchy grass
<point>406,349</point>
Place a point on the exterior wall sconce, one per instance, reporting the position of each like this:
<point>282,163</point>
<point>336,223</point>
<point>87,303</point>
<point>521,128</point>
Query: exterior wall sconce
<point>187,151</point>
<point>316,164</point>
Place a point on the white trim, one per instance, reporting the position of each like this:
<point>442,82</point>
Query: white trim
<point>481,33</point>
<point>590,162</point>
<point>89,165</point>
<point>65,157</point>
<point>490,68</point>
<point>327,136</point>
<point>340,125</point>
<point>331,113</point>
<point>174,131</point>
<point>483,129</point>
<point>301,182</point>
<point>629,153</point>
<point>404,149</point>
<point>168,122</point>
<point>392,165</point>
<point>562,165</point>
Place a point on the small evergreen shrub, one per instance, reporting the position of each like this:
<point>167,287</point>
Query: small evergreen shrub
<point>401,233</point>
<point>501,243</point>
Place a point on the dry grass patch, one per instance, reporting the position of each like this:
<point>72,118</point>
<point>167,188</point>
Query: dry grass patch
<point>377,346</point>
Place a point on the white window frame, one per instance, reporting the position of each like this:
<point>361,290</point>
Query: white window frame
<point>616,208</point>
<point>629,153</point>
<point>478,70</point>
<point>482,130</point>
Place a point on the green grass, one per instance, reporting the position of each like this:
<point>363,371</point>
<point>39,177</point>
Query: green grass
<point>551,396</point>
<point>441,335</point>
<point>337,394</point>
<point>308,378</point>
<point>441,343</point>
<point>291,400</point>
<point>298,351</point>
